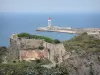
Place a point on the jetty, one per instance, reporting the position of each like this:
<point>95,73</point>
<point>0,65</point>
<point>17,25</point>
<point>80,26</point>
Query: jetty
<point>70,30</point>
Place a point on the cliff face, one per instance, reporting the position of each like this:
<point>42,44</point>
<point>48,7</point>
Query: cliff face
<point>56,52</point>
<point>20,48</point>
<point>14,49</point>
<point>82,63</point>
<point>81,55</point>
<point>28,49</point>
<point>30,43</point>
<point>84,55</point>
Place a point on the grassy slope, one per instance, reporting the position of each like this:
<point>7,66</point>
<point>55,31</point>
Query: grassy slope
<point>30,36</point>
<point>83,42</point>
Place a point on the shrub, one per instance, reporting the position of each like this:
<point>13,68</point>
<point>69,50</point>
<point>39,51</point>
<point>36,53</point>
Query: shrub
<point>38,60</point>
<point>24,35</point>
<point>56,41</point>
<point>41,47</point>
<point>26,69</point>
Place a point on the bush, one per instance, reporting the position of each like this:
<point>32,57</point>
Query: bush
<point>24,69</point>
<point>56,41</point>
<point>38,61</point>
<point>24,35</point>
<point>41,47</point>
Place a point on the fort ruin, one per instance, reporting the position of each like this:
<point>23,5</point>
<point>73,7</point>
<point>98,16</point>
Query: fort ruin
<point>28,49</point>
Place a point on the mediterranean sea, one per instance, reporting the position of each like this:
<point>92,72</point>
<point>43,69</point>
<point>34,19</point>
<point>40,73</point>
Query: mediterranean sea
<point>14,23</point>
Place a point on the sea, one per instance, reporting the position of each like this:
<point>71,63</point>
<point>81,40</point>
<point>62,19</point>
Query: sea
<point>15,23</point>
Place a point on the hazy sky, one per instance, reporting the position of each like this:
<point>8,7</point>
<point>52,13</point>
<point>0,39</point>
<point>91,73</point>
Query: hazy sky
<point>51,6</point>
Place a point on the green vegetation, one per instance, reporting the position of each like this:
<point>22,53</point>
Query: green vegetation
<point>24,35</point>
<point>56,41</point>
<point>3,51</point>
<point>30,69</point>
<point>80,42</point>
<point>47,39</point>
<point>21,69</point>
<point>83,42</point>
<point>41,47</point>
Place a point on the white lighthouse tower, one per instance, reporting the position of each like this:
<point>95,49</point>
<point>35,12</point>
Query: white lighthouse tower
<point>49,22</point>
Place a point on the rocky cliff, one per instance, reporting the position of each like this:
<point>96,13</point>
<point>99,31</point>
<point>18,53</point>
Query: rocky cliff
<point>22,48</point>
<point>82,63</point>
<point>80,55</point>
<point>83,55</point>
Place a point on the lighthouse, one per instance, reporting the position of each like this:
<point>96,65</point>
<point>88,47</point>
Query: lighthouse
<point>49,22</point>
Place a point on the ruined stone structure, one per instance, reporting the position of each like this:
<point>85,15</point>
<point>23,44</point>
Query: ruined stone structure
<point>28,49</point>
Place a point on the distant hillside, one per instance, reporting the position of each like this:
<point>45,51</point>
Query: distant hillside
<point>83,42</point>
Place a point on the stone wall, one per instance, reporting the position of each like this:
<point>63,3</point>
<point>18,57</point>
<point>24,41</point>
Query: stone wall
<point>30,43</point>
<point>53,52</point>
<point>22,44</point>
<point>32,55</point>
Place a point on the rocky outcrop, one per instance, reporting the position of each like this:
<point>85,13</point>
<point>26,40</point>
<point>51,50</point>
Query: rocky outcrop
<point>97,36</point>
<point>14,49</point>
<point>25,49</point>
<point>56,52</point>
<point>77,62</point>
<point>82,63</point>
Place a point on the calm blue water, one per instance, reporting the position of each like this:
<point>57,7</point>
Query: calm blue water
<point>28,22</point>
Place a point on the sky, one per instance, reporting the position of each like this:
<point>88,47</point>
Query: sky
<point>50,6</point>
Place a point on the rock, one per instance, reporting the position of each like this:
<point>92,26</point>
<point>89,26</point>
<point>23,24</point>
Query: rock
<point>82,63</point>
